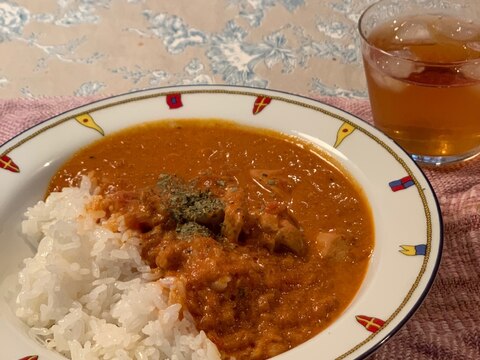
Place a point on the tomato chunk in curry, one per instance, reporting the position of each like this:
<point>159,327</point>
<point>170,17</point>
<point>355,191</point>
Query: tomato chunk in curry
<point>268,239</point>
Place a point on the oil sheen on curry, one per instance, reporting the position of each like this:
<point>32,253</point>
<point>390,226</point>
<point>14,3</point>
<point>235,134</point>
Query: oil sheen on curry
<point>269,239</point>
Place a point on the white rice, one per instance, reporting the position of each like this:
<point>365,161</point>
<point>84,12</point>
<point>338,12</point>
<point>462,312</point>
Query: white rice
<point>87,294</point>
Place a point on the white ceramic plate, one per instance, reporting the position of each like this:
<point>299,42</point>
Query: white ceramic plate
<point>408,227</point>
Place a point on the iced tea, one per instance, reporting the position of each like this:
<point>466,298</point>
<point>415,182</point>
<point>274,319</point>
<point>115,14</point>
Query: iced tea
<point>423,75</point>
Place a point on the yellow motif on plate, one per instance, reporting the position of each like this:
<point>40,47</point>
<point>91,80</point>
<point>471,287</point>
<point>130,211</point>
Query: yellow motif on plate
<point>87,120</point>
<point>412,250</point>
<point>345,130</point>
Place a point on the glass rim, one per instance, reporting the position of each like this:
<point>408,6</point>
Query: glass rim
<point>419,62</point>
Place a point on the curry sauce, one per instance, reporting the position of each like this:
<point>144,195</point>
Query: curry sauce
<point>268,238</point>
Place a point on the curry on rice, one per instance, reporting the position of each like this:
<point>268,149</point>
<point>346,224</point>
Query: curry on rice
<point>268,239</point>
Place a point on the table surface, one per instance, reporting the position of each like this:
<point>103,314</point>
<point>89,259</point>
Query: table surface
<point>85,47</point>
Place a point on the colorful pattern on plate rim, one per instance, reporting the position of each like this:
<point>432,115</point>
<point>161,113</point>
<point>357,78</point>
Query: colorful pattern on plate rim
<point>87,120</point>
<point>370,323</point>
<point>7,163</point>
<point>174,101</point>
<point>260,104</point>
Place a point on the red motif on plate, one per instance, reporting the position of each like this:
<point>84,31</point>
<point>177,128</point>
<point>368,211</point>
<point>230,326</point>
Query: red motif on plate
<point>8,164</point>
<point>31,357</point>
<point>372,324</point>
<point>261,103</point>
<point>401,184</point>
<point>174,101</point>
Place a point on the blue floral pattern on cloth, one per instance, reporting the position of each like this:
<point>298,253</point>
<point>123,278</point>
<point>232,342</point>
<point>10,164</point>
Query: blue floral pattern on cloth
<point>12,20</point>
<point>86,47</point>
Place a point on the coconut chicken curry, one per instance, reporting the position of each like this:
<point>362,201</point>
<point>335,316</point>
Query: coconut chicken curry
<point>267,238</point>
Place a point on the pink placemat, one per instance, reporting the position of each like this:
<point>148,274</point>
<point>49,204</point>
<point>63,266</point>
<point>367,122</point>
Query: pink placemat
<point>447,325</point>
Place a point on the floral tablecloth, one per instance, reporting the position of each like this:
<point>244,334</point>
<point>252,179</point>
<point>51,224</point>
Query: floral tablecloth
<point>88,47</point>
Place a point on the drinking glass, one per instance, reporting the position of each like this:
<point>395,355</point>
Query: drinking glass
<point>422,65</point>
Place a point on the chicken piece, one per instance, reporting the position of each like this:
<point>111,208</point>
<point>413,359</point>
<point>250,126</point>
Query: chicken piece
<point>235,212</point>
<point>221,283</point>
<point>290,238</point>
<point>331,245</point>
<point>141,211</point>
<point>268,222</point>
<point>169,257</point>
<point>280,231</point>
